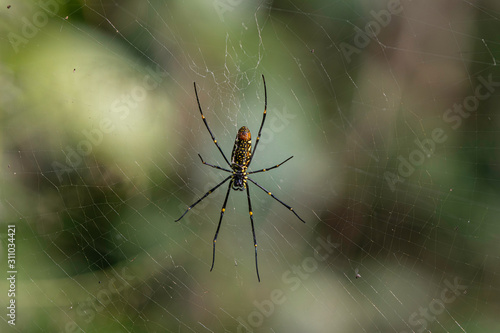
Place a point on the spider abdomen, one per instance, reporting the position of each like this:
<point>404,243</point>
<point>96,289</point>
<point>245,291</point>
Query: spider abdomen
<point>242,150</point>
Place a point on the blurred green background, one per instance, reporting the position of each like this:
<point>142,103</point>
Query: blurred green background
<point>388,107</point>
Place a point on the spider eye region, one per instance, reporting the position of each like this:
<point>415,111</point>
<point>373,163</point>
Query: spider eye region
<point>238,184</point>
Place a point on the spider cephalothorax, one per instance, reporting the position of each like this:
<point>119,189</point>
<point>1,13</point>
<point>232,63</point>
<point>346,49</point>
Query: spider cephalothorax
<point>241,157</point>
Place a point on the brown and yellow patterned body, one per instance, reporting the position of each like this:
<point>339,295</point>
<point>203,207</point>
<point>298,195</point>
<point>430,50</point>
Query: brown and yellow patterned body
<point>240,158</point>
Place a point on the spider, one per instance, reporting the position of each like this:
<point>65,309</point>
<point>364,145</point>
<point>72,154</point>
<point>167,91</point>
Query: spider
<point>241,157</point>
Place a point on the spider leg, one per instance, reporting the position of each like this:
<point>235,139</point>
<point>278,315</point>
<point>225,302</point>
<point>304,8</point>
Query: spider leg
<point>253,231</point>
<point>220,220</point>
<point>208,128</point>
<point>272,195</point>
<point>213,166</point>
<point>263,120</point>
<point>203,197</point>
<point>267,169</point>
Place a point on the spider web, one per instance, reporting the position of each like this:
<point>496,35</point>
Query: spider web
<point>388,107</point>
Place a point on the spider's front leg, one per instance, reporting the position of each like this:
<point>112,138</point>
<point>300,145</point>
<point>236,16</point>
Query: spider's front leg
<point>203,197</point>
